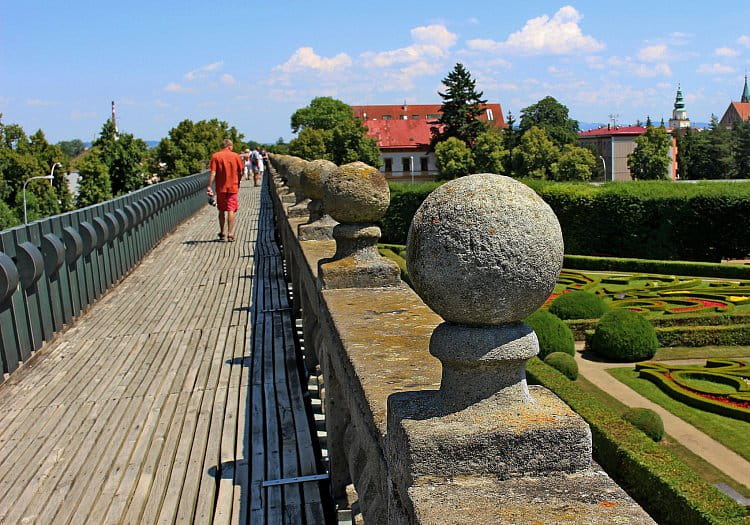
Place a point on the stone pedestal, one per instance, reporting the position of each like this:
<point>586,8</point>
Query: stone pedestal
<point>299,209</point>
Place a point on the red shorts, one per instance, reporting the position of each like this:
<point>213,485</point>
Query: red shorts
<point>227,202</point>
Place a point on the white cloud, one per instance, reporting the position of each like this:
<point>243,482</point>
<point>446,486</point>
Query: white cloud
<point>434,34</point>
<point>744,40</point>
<point>559,35</point>
<point>652,70</point>
<point>173,87</point>
<point>228,80</point>
<point>82,115</point>
<point>203,71</point>
<point>37,102</point>
<point>653,53</point>
<point>715,69</point>
<point>305,58</point>
<point>726,52</point>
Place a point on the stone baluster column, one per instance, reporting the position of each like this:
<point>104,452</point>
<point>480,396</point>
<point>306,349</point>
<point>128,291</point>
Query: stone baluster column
<point>357,196</point>
<point>320,225</point>
<point>484,251</point>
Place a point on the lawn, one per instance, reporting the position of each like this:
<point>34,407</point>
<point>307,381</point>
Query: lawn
<point>732,433</point>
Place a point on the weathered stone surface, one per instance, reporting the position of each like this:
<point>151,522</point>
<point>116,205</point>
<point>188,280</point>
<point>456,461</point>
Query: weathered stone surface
<point>320,225</point>
<point>314,177</point>
<point>356,193</point>
<point>319,230</point>
<point>491,437</point>
<point>484,250</point>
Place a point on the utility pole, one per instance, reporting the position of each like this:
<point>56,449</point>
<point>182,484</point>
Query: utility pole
<point>114,120</point>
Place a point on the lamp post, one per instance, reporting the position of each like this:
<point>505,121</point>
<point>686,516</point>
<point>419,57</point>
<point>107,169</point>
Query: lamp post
<point>48,177</point>
<point>604,167</point>
<point>411,168</point>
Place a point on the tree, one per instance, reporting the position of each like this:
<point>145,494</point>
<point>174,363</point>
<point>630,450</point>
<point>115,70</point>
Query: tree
<point>574,164</point>
<point>650,159</point>
<point>349,143</point>
<point>536,154</point>
<point>453,158</point>
<point>512,138</point>
<point>189,147</point>
<point>551,116</point>
<point>71,148</point>
<point>322,113</point>
<point>311,144</point>
<point>93,180</point>
<point>741,148</point>
<point>124,157</point>
<point>461,108</point>
<point>490,155</point>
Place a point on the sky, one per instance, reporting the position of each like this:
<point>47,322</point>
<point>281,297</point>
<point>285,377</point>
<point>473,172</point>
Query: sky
<point>252,64</point>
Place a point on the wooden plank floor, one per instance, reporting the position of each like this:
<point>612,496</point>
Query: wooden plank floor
<point>173,398</point>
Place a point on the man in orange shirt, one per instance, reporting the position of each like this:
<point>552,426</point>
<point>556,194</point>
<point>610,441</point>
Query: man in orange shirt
<point>226,169</point>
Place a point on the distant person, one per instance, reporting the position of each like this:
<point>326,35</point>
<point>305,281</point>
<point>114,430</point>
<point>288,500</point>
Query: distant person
<point>257,163</point>
<point>264,156</point>
<point>245,156</point>
<point>226,170</point>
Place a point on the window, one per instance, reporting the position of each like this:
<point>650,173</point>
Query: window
<point>405,164</point>
<point>404,117</point>
<point>415,117</point>
<point>423,166</point>
<point>433,116</point>
<point>388,164</point>
<point>490,116</point>
<point>386,117</point>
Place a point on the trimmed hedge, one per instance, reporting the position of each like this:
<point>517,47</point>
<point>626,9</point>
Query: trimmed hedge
<point>620,264</point>
<point>643,219</point>
<point>623,335</point>
<point>647,421</point>
<point>736,335</point>
<point>552,333</point>
<point>564,363</point>
<point>662,484</point>
<point>578,304</point>
<point>393,256</point>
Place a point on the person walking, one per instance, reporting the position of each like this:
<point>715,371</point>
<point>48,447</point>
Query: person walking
<point>226,170</point>
<point>257,166</point>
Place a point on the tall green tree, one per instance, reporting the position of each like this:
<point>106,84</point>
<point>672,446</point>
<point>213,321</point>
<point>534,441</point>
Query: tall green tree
<point>453,158</point>
<point>124,156</point>
<point>650,159</point>
<point>71,148</point>
<point>93,180</point>
<point>551,116</point>
<point>311,144</point>
<point>722,162</point>
<point>322,113</point>
<point>512,138</point>
<point>490,155</point>
<point>741,149</point>
<point>574,164</point>
<point>461,108</point>
<point>349,143</point>
<point>535,155</point>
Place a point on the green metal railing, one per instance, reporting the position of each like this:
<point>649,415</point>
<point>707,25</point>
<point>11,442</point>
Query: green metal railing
<point>53,269</point>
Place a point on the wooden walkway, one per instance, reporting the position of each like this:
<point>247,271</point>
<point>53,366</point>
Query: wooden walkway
<point>173,399</point>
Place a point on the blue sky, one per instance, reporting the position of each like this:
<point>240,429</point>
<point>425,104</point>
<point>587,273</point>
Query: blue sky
<point>252,64</point>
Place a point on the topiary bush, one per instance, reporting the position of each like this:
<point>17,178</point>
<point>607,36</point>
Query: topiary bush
<point>646,420</point>
<point>578,305</point>
<point>552,333</point>
<point>565,363</point>
<point>622,335</point>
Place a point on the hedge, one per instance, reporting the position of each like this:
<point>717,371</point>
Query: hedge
<point>393,256</point>
<point>662,484</point>
<point>658,220</point>
<point>736,335</point>
<point>619,264</point>
<point>645,420</point>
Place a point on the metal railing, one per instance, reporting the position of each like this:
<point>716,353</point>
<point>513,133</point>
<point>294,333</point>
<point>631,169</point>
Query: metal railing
<point>53,269</point>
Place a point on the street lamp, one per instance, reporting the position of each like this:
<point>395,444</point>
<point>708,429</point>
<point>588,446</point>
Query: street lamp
<point>411,168</point>
<point>604,167</point>
<point>48,177</point>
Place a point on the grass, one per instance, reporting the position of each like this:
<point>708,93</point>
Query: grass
<point>701,352</point>
<point>700,466</point>
<point>732,433</point>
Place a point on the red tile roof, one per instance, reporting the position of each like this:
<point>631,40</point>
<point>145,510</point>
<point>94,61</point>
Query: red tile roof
<point>399,134</point>
<point>607,132</point>
<point>742,109</point>
<point>367,113</point>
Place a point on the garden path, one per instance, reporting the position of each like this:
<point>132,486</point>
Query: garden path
<point>729,462</point>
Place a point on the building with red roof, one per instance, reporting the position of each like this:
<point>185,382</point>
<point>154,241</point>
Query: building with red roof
<point>738,111</point>
<point>613,144</point>
<point>403,133</point>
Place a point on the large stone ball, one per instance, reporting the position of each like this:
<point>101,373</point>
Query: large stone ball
<point>314,176</point>
<point>356,193</point>
<point>294,168</point>
<point>484,250</point>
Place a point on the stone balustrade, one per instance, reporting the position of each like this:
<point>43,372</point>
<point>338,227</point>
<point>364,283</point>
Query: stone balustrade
<point>428,413</point>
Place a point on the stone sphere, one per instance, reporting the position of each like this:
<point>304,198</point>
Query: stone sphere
<point>314,176</point>
<point>484,250</point>
<point>294,168</point>
<point>356,193</point>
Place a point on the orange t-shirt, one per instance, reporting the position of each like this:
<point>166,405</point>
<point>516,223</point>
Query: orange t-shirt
<point>228,167</point>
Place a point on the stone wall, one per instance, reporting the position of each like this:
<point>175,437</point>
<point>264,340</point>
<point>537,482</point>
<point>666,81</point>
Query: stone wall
<point>429,418</point>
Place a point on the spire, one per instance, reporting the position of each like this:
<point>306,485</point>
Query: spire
<point>679,101</point>
<point>745,92</point>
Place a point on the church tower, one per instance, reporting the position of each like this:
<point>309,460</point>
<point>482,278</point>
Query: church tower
<point>679,114</point>
<point>745,92</point>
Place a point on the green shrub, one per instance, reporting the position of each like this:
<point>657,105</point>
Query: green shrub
<point>723,335</point>
<point>552,333</point>
<point>645,420</point>
<point>405,200</point>
<point>623,335</point>
<point>696,269</point>
<point>578,305</point>
<point>564,363</point>
<point>390,254</point>
<point>663,485</point>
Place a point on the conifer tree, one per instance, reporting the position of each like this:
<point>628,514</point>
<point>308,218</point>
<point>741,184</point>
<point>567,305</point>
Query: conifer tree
<point>461,108</point>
